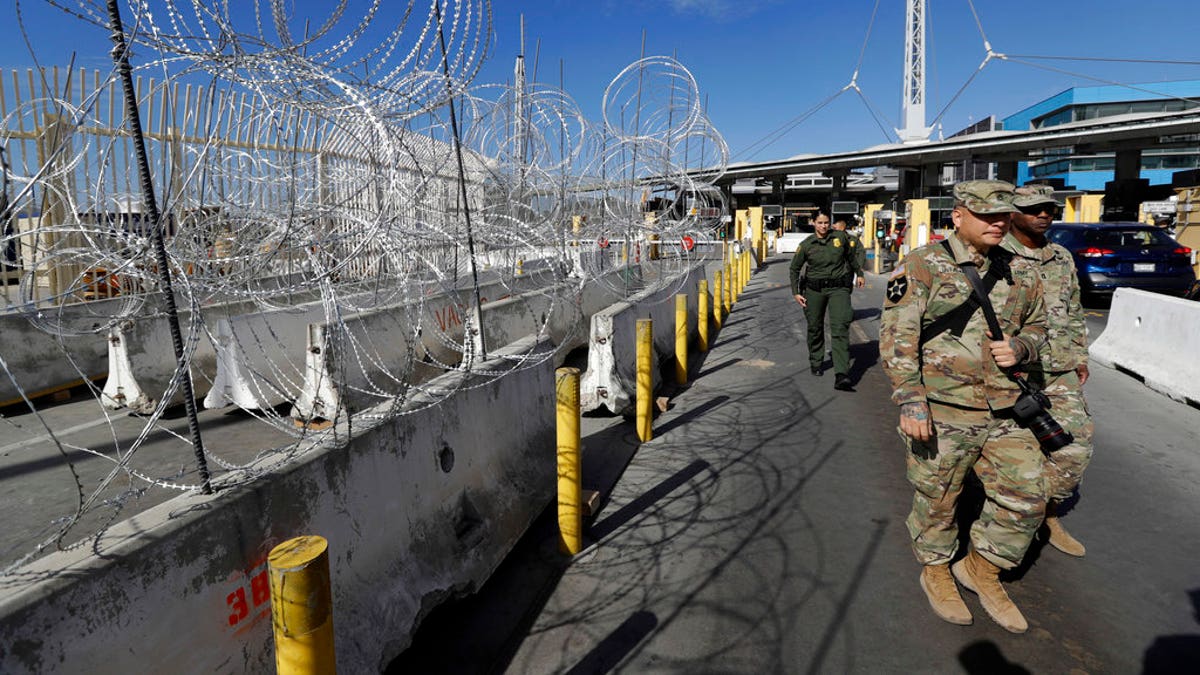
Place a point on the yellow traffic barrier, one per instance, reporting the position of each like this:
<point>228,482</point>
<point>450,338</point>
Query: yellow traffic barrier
<point>735,268</point>
<point>681,338</point>
<point>730,285</point>
<point>702,315</point>
<point>302,606</point>
<point>718,292</point>
<point>645,386</point>
<point>570,466</point>
<point>727,290</point>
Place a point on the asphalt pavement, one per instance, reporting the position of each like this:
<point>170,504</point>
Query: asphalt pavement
<point>762,531</point>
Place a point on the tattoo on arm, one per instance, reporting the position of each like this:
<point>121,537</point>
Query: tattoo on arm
<point>916,411</point>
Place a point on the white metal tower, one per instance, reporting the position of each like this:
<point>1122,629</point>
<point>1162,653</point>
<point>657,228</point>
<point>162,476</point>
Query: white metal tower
<point>913,110</point>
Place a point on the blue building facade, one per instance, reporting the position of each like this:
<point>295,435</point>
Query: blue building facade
<point>1091,172</point>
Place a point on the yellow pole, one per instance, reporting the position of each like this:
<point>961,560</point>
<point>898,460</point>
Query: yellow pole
<point>735,269</point>
<point>302,606</point>
<point>702,315</point>
<point>645,346</point>
<point>727,292</point>
<point>718,293</point>
<point>570,471</point>
<point>681,338</point>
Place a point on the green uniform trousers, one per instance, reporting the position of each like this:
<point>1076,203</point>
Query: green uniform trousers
<point>1008,462</point>
<point>841,313</point>
<point>1064,467</point>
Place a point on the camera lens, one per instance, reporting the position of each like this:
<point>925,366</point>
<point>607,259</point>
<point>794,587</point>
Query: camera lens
<point>1050,433</point>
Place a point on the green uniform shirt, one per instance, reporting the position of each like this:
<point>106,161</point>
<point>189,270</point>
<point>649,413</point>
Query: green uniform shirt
<point>1066,339</point>
<point>833,257</point>
<point>949,368</point>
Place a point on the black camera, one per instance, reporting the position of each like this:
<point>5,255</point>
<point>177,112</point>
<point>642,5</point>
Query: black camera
<point>1030,410</point>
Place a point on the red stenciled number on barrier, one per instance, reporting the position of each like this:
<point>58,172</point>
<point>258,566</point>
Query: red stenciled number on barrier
<point>237,602</point>
<point>260,588</point>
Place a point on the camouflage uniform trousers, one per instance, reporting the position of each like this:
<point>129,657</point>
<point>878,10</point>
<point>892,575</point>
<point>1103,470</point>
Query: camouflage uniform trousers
<point>1008,462</point>
<point>1065,467</point>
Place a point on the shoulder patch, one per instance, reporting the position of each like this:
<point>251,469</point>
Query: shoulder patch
<point>897,288</point>
<point>853,243</point>
<point>837,243</point>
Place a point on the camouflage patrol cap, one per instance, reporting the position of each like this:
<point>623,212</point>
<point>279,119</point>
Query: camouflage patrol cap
<point>1032,195</point>
<point>985,196</point>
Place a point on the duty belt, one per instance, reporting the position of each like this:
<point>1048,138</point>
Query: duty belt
<point>844,281</point>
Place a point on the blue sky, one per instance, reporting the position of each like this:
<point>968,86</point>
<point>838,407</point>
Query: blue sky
<point>764,62</point>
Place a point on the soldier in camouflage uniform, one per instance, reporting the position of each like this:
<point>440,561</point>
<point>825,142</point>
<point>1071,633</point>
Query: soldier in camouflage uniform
<point>956,402</point>
<point>832,270</point>
<point>1063,366</point>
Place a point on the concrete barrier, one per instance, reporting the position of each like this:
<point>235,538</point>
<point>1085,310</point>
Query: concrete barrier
<point>790,241</point>
<point>1155,336</point>
<point>610,378</point>
<point>42,364</point>
<point>416,508</point>
<point>367,357</point>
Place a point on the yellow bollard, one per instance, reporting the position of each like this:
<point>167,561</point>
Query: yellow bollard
<point>718,291</point>
<point>681,339</point>
<point>735,268</point>
<point>727,292</point>
<point>302,606</point>
<point>702,315</point>
<point>570,466</point>
<point>877,262</point>
<point>645,386</point>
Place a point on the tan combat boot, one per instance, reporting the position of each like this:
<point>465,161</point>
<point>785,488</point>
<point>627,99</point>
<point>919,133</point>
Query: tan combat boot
<point>1059,537</point>
<point>943,595</point>
<point>981,577</point>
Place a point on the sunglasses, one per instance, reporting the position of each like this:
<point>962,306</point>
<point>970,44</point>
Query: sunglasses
<point>1038,208</point>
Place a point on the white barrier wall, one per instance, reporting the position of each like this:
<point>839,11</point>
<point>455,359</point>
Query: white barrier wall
<point>416,508</point>
<point>368,355</point>
<point>1155,336</point>
<point>610,378</point>
<point>38,360</point>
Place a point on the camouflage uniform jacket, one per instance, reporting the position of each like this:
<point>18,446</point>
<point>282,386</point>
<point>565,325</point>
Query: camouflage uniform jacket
<point>952,369</point>
<point>1066,339</point>
<point>830,258</point>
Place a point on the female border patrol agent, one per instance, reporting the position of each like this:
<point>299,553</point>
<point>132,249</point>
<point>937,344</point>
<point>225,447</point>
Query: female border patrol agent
<point>832,268</point>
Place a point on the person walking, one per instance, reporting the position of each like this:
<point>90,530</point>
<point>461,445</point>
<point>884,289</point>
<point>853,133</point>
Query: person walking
<point>832,270</point>
<point>1062,368</point>
<point>955,398</point>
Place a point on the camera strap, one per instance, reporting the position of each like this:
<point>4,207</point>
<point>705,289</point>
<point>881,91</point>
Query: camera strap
<point>981,297</point>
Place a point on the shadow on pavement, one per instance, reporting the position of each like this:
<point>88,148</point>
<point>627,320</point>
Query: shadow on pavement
<point>985,658</point>
<point>1170,654</point>
<point>616,645</point>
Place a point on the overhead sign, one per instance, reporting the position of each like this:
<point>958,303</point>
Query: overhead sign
<point>941,203</point>
<point>844,208</point>
<point>772,210</point>
<point>1163,208</point>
